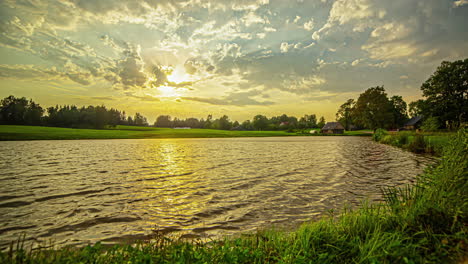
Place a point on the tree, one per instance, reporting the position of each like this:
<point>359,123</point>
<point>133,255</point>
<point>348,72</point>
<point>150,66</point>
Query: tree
<point>430,124</point>
<point>163,121</point>
<point>344,114</point>
<point>247,125</point>
<point>224,123</point>
<point>20,111</point>
<point>140,120</point>
<point>321,122</point>
<point>260,122</point>
<point>13,110</point>
<point>399,109</point>
<point>447,93</point>
<point>417,108</point>
<point>373,109</point>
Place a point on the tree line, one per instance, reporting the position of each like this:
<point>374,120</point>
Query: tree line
<point>258,122</point>
<point>21,111</point>
<point>445,103</point>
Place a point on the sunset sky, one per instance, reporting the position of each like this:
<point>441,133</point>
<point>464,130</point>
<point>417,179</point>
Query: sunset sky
<point>241,58</point>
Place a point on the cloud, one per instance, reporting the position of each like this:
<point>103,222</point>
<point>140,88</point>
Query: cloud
<point>285,47</point>
<point>460,3</point>
<point>309,25</point>
<point>24,72</point>
<point>103,98</point>
<point>235,98</point>
<point>146,98</point>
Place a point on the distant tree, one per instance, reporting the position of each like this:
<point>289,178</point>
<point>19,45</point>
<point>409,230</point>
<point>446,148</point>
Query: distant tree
<point>130,121</point>
<point>247,125</point>
<point>447,93</point>
<point>163,121</point>
<point>373,109</point>
<point>208,122</point>
<point>321,122</point>
<point>224,123</point>
<point>101,117</point>
<point>399,109</point>
<point>20,111</point>
<point>260,122</point>
<point>345,113</point>
<point>418,108</point>
<point>140,120</point>
<point>235,124</point>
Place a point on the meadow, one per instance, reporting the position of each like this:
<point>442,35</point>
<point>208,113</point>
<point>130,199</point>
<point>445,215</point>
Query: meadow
<point>9,132</point>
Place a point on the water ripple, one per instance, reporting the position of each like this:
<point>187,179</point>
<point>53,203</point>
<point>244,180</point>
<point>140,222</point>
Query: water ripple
<point>79,192</point>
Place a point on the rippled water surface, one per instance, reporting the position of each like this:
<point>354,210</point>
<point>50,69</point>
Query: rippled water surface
<point>79,192</point>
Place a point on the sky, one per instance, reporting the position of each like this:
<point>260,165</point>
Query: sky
<point>241,58</point>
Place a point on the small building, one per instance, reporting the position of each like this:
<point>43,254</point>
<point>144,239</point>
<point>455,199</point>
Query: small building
<point>413,124</point>
<point>333,128</point>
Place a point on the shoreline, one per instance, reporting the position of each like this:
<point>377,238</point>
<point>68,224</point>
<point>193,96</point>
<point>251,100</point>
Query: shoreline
<point>27,133</point>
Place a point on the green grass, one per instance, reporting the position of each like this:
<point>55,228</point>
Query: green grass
<point>424,223</point>
<point>8,132</point>
<point>430,142</point>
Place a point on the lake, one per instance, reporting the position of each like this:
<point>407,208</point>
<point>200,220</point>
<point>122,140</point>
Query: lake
<point>114,191</point>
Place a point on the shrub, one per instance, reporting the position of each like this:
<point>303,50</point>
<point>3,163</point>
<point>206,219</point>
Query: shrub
<point>402,138</point>
<point>430,124</point>
<point>378,134</point>
<point>418,145</point>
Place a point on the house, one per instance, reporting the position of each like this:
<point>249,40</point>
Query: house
<point>413,123</point>
<point>332,128</point>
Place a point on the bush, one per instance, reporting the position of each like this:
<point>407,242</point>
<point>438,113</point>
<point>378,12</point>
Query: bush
<point>430,124</point>
<point>418,145</point>
<point>379,134</point>
<point>402,138</point>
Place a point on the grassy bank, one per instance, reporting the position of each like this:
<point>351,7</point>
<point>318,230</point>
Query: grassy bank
<point>428,142</point>
<point>8,132</point>
<point>425,223</point>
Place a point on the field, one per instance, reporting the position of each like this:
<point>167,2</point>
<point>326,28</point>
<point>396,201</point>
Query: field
<point>8,132</point>
<point>425,223</point>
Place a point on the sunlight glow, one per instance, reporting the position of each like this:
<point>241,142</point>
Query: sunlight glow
<point>178,75</point>
<point>168,91</point>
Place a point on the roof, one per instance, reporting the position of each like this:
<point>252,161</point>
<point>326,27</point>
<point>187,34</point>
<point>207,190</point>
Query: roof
<point>413,121</point>
<point>332,125</point>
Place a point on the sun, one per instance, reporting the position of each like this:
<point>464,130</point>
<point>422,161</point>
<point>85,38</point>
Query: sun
<point>178,75</point>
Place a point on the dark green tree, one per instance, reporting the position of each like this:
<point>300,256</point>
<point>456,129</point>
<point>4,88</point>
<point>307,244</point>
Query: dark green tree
<point>345,114</point>
<point>399,109</point>
<point>260,122</point>
<point>417,108</point>
<point>321,122</point>
<point>224,123</point>
<point>373,109</point>
<point>163,121</point>
<point>446,93</point>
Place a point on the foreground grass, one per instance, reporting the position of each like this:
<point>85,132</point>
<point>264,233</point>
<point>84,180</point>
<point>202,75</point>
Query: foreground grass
<point>8,132</point>
<point>425,223</point>
<point>427,142</point>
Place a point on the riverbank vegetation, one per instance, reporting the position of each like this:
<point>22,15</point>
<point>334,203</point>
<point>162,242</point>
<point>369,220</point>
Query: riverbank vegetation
<point>417,142</point>
<point>126,132</point>
<point>424,223</point>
